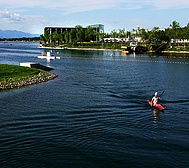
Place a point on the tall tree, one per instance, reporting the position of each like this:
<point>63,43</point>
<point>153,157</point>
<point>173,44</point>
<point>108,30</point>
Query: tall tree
<point>79,33</point>
<point>66,37</point>
<point>175,25</point>
<point>46,36</point>
<point>42,38</point>
<point>134,33</point>
<point>144,34</point>
<point>89,33</point>
<point>122,34</point>
<point>128,34</point>
<point>174,29</point>
<point>72,36</point>
<point>55,37</point>
<point>101,37</point>
<point>114,35</point>
<point>61,37</point>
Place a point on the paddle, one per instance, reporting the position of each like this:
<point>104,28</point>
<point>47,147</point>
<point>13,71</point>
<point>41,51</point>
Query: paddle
<point>161,93</point>
<point>158,96</point>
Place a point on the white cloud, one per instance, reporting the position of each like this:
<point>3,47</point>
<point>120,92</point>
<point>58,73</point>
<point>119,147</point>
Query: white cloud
<point>72,6</point>
<point>4,14</point>
<point>15,17</point>
<point>8,17</point>
<point>39,13</point>
<point>171,4</point>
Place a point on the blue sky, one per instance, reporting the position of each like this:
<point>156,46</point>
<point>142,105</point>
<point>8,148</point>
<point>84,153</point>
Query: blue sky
<point>33,15</point>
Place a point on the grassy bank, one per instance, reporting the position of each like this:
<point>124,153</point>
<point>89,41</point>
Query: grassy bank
<point>13,76</point>
<point>93,45</point>
<point>177,47</point>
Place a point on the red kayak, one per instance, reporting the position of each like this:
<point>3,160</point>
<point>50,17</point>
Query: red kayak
<point>159,106</point>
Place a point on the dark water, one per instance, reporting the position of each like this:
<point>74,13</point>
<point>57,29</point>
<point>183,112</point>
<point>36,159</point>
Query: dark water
<point>95,114</point>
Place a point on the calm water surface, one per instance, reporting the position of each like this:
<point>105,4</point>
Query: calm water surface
<point>95,114</point>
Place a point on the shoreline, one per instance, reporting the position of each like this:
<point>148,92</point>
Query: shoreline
<point>67,48</point>
<point>120,50</point>
<point>176,52</point>
<point>91,49</point>
<point>39,78</point>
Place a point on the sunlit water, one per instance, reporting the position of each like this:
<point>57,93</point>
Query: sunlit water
<point>95,114</point>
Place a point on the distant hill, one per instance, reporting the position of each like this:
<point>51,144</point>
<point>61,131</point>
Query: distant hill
<point>16,34</point>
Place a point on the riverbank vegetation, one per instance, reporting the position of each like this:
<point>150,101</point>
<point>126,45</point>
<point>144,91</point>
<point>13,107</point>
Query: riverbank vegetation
<point>13,76</point>
<point>175,36</point>
<point>24,39</point>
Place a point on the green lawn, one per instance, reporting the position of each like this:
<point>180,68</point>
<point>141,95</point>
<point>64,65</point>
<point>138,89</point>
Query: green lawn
<point>14,76</point>
<point>16,72</point>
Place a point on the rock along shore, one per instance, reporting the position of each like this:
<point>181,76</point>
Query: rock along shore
<point>25,81</point>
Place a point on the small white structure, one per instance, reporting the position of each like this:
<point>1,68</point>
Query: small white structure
<point>50,55</point>
<point>35,65</point>
<point>29,64</point>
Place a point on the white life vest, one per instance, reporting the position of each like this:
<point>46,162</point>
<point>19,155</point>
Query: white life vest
<point>155,100</point>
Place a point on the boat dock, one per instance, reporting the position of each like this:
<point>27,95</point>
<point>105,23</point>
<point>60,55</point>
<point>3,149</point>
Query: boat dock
<point>36,65</point>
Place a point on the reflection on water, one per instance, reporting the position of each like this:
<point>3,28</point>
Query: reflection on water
<point>156,114</point>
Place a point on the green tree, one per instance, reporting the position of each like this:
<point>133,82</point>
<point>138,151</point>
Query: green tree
<point>89,33</point>
<point>186,31</point>
<point>122,34</point>
<point>174,29</point>
<point>72,36</point>
<point>61,37</point>
<point>134,33</point>
<point>162,36</point>
<point>151,36</point>
<point>145,34</point>
<point>155,32</point>
<point>46,36</point>
<point>66,37</point>
<point>175,25</point>
<point>42,38</point>
<point>50,38</point>
<point>55,37</point>
<point>138,31</point>
<point>101,37</point>
<point>168,34</point>
<point>107,35</point>
<point>128,34</point>
<point>79,33</point>
<point>114,35</point>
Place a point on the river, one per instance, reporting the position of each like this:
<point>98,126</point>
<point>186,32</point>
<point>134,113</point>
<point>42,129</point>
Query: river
<point>95,113</point>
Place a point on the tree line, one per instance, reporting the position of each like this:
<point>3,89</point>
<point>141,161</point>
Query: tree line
<point>174,31</point>
<point>80,34</point>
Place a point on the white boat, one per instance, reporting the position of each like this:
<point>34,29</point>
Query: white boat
<point>50,55</point>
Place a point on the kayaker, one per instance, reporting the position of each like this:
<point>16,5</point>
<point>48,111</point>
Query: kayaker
<point>155,99</point>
